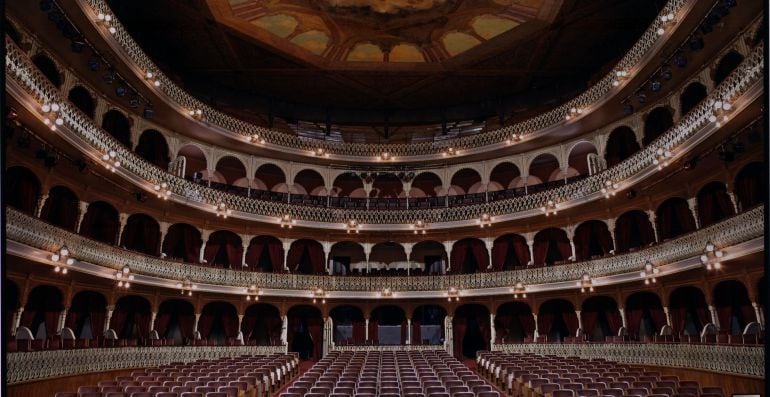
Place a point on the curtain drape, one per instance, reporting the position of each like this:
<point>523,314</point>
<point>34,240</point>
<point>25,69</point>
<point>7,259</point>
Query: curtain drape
<point>614,321</point>
<point>359,333</point>
<point>527,321</point>
<point>276,255</point>
<point>230,324</point>
<point>481,254</point>
<point>205,324</point>
<point>416,332</point>
<point>545,323</point>
<point>186,323</point>
<point>315,329</point>
<point>714,205</point>
<point>142,235</point>
<point>254,252</point>
<point>499,252</point>
<point>658,317</point>
<point>678,319</point>
<point>248,326</point>
<point>459,251</point>
<point>571,320</point>
<point>589,322</point>
<point>97,323</point>
<point>161,323</point>
<point>458,328</point>
<point>634,321</point>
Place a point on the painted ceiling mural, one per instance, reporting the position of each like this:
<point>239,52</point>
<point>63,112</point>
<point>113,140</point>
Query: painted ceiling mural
<point>381,31</point>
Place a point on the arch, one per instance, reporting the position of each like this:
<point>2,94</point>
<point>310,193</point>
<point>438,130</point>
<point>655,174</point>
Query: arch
<point>49,69</point>
<point>349,325</point>
<point>305,331</point>
<point>578,157</point>
<point>644,314</point>
<point>41,313</point>
<point>272,176</point>
<point>714,203</point>
<point>592,239</point>
<point>514,323</point>
<point>265,254</point>
<point>544,167</point>
<point>621,145</point>
<point>387,325</point>
<point>471,329</point>
<point>131,317</point>
<point>600,318</point>
<point>348,184</point>
<point>751,185</point>
<point>175,320</point>
<point>557,319</point>
<point>428,325</point>
<point>101,222</point>
<point>231,169</point>
<point>306,257</point>
<point>141,233</point>
<point>431,254</point>
<point>183,242</point>
<point>387,185</point>
<point>86,315</point>
<point>633,230</point>
<point>61,208</point>
<point>83,100</point>
<point>197,162</point>
<point>152,147</point>
<point>469,255</point>
<point>224,248</point>
<point>308,182</point>
<point>22,189</point>
<point>504,176</point>
<point>347,256</point>
<point>726,65</point>
<point>117,125</point>
<point>387,253</point>
<point>691,96</point>
<point>551,247</point>
<point>674,218</point>
<point>688,310</point>
<point>657,121</point>
<point>426,184</point>
<point>262,325</point>
<point>510,251</point>
<point>465,181</point>
<point>219,323</point>
<point>734,310</point>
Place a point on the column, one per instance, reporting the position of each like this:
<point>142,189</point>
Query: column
<point>489,243</point>
<point>580,322</point>
<point>407,187</point>
<point>16,320</point>
<point>205,238</point>
<point>693,204</point>
<point>571,237</point>
<point>367,251</point>
<point>368,190</point>
<point>366,329</point>
<point>248,188</point>
<point>651,215</point>
<point>62,319</point>
<point>40,203</point>
<point>448,335</point>
<point>195,325</point>
<point>492,330</point>
<point>284,330</point>
<point>668,315</point>
<point>408,250</point>
<point>83,208</point>
<point>448,249</point>
<point>286,246</point>
<point>623,317</point>
<point>153,316</point>
<point>163,231</point>
<point>537,328</point>
<point>327,247</point>
<point>531,246</point>
<point>123,220</point>
<point>714,316</point>
<point>611,228</point>
<point>734,200</point>
<point>408,331</point>
<point>245,244</point>
<point>107,319</point>
<point>758,314</point>
<point>240,322</point>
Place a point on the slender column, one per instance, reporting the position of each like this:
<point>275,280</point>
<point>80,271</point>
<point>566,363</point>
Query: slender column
<point>107,319</point>
<point>327,247</point>
<point>16,320</point>
<point>40,204</point>
<point>197,318</point>
<point>623,317</point>
<point>758,314</point>
<point>408,331</point>
<point>571,236</point>
<point>245,244</point>
<point>492,330</point>
<point>163,231</point>
<point>205,238</point>
<point>448,249</point>
<point>285,330</point>
<point>83,208</point>
<point>62,319</point>
<point>580,321</point>
<point>733,200</point>
<point>153,316</point>
<point>286,246</point>
<point>537,328</point>
<point>651,215</point>
<point>448,335</point>
<point>367,251</point>
<point>366,329</point>
<point>489,243</point>
<point>408,251</point>
<point>123,220</point>
<point>714,316</point>
<point>611,228</point>
<point>668,315</point>
<point>531,246</point>
<point>240,322</point>
<point>693,204</point>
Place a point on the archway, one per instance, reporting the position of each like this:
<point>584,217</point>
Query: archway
<point>592,240</point>
<point>551,247</point>
<point>142,234</point>
<point>11,300</point>
<point>469,255</point>
<point>726,65</point>
<point>131,317</point>
<point>426,184</point>
<point>633,230</point>
<point>347,257</point>
<point>195,162</point>
<point>557,319</point>
<point>389,257</point>
<point>734,309</point>
<point>349,325</point>
<point>510,252</point>
<point>48,68</point>
<point>306,257</point>
<point>262,325</point>
<point>100,222</point>
<point>644,315</point>
<point>471,329</point>
<point>466,181</point>
<point>387,185</point>
<point>22,189</point>
<point>428,325</point>
<point>689,311</point>
<point>219,323</point>
<point>175,321</point>
<point>544,168</point>
<point>61,208</point>
<point>305,331</point>
<point>87,314</point>
<point>674,218</point>
<point>578,159</point>
<point>621,145</point>
<point>714,204</point>
<point>431,254</point>
<point>117,125</point>
<point>153,148</point>
<point>265,254</point>
<point>751,185</point>
<point>82,99</point>
<point>387,325</point>
<point>600,317</point>
<point>514,323</point>
<point>225,249</point>
<point>308,182</point>
<point>692,96</point>
<point>231,169</point>
<point>504,176</point>
<point>272,177</point>
<point>41,313</point>
<point>183,242</point>
<point>658,121</point>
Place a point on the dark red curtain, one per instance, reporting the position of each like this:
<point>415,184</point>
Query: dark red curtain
<point>751,185</point>
<point>276,255</point>
<point>714,204</point>
<point>359,333</point>
<point>591,234</point>
<point>118,321</point>
<point>205,324</point>
<point>543,241</point>
<point>459,252</point>
<point>153,148</point>
<point>51,321</point>
<point>254,252</point>
<point>527,321</point>
<point>97,323</point>
<point>633,229</point>
<point>658,317</point>
<point>22,189</point>
<point>141,234</point>
<point>545,323</point>
<point>161,323</point>
<point>184,242</point>
<point>725,314</point>
<point>100,222</point>
<point>230,324</point>
<point>142,321</point>
<point>634,321</point>
<point>315,328</point>
<point>416,332</point>
<point>499,252</point>
<point>504,323</point>
<point>248,325</point>
<point>674,218</point>
<point>61,208</point>
<point>232,245</point>
<point>186,324</point>
<point>315,254</point>
<point>571,320</point>
<point>614,321</point>
<point>481,254</point>
<point>589,321</point>
<point>458,328</point>
<point>373,330</point>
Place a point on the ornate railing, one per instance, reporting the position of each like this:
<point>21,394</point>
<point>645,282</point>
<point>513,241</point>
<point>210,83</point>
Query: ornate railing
<point>730,359</point>
<point>33,232</point>
<point>125,45</point>
<point>388,348</point>
<point>91,139</point>
<point>29,366</point>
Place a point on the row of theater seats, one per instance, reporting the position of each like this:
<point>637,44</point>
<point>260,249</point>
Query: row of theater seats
<point>432,373</point>
<point>244,376</point>
<point>530,375</point>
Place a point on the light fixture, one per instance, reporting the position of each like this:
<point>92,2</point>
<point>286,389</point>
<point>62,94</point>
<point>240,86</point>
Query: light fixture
<point>186,287</point>
<point>485,220</point>
<point>620,76</point>
<point>62,259</point>
<point>519,289</point>
<point>106,20</point>
<point>320,152</point>
<point>52,115</point>
<point>319,293</point>
<point>649,273</point>
<point>666,20</point>
<point>111,161</point>
<point>152,78</point>
<point>162,190</point>
<point>573,112</point>
<point>720,114</point>
<point>711,257</point>
<point>452,293</point>
<point>287,221</point>
<point>196,114</point>
<point>385,156</point>
<point>124,277</point>
<point>252,293</point>
<point>385,293</point>
<point>662,157</point>
<point>352,226</point>
<point>585,283</point>
<point>450,151</point>
<point>257,139</point>
<point>609,189</point>
<point>550,208</point>
<point>515,137</point>
<point>419,227</point>
<point>222,210</point>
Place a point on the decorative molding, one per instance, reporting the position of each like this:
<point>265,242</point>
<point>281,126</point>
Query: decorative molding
<point>732,359</point>
<point>31,366</point>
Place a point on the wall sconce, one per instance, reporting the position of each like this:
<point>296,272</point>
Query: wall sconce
<point>252,293</point>
<point>649,273</point>
<point>585,283</point>
<point>162,190</point>
<point>666,20</point>
<point>352,226</point>
<point>111,161</point>
<point>52,115</point>
<point>222,210</point>
<point>452,293</point>
<point>573,112</point>
<point>550,208</point>
<point>319,293</point>
<point>519,289</point>
<point>186,287</point>
<point>711,257</point>
<point>620,76</point>
<point>287,221</point>
<point>485,220</point>
<point>62,257</point>
<point>124,277</point>
<point>106,20</point>
<point>152,78</point>
<point>257,139</point>
<point>663,156</point>
<point>609,189</point>
<point>419,227</point>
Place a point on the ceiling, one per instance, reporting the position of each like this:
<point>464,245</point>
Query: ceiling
<point>385,62</point>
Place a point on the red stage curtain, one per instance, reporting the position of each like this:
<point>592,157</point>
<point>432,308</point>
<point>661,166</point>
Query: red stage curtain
<point>205,323</point>
<point>678,319</point>
<point>459,326</point>
<point>589,322</point>
<point>499,251</point>
<point>634,321</point>
<point>186,323</point>
<point>481,254</point>
<point>359,333</point>
<point>545,323</point>
<point>230,324</point>
<point>254,253</point>
<point>527,321</point>
<point>459,251</point>
<point>276,255</point>
<point>51,320</point>
<point>658,317</point>
<point>714,205</point>
<point>571,320</point>
<point>142,321</point>
<point>316,253</point>
<point>212,247</point>
<point>97,323</point>
<point>416,332</point>
<point>614,321</point>
<point>161,323</point>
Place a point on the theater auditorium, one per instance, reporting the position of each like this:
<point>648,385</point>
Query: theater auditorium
<point>384,198</point>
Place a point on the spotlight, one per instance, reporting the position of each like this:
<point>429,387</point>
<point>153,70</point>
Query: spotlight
<point>121,91</point>
<point>696,43</point>
<point>94,64</point>
<point>641,98</point>
<point>680,60</point>
<point>628,109</point>
<point>109,76</point>
<point>148,112</point>
<point>655,85</point>
<point>665,73</point>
